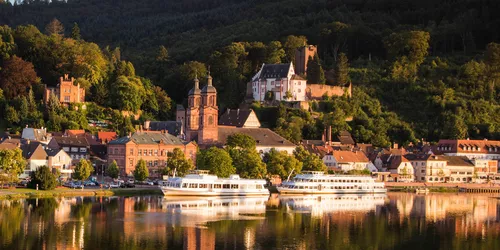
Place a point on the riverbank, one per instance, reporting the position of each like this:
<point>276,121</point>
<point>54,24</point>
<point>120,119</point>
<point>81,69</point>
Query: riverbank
<point>442,187</point>
<point>22,193</point>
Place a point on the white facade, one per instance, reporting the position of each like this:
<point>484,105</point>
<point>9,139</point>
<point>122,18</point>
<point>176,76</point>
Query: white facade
<point>262,149</point>
<point>32,166</point>
<point>252,121</point>
<point>405,171</point>
<point>280,83</point>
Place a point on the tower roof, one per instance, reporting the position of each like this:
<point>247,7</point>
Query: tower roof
<point>209,88</point>
<point>196,89</point>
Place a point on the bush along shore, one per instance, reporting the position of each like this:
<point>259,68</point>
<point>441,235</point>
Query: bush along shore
<point>431,189</point>
<point>21,193</point>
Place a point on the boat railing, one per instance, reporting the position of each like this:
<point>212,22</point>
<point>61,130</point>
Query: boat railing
<point>199,172</point>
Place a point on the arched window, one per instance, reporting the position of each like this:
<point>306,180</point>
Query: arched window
<point>210,120</point>
<point>211,100</point>
<point>197,102</point>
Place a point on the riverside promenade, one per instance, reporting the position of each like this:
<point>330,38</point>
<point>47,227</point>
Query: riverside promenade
<point>15,193</point>
<point>493,187</point>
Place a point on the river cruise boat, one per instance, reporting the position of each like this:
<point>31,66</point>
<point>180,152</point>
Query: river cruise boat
<point>315,182</point>
<point>201,183</point>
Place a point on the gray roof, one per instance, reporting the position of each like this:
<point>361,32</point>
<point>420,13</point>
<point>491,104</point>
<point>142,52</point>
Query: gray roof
<point>149,138</point>
<point>457,161</point>
<point>34,134</point>
<point>53,151</point>
<point>71,141</point>
<point>173,127</point>
<point>180,107</point>
<point>234,117</point>
<point>262,136</point>
<point>275,70</point>
<point>34,151</point>
<point>345,138</point>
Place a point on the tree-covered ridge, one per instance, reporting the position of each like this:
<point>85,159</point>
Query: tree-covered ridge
<point>420,69</point>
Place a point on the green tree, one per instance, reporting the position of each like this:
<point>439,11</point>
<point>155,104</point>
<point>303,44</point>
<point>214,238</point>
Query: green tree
<point>315,73</point>
<point>12,163</point>
<point>75,32</point>
<point>141,171</point>
<point>241,141</point>
<point>217,160</point>
<point>310,162</point>
<point>248,162</point>
<point>83,170</point>
<point>177,160</point>
<point>113,170</point>
<point>292,43</point>
<point>55,28</point>
<point>341,73</point>
<point>275,52</point>
<point>129,93</point>
<point>282,164</point>
<point>336,35</point>
<point>162,54</point>
<point>44,178</point>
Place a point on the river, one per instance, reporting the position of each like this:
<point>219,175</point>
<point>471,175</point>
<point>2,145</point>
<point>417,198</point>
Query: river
<point>392,221</point>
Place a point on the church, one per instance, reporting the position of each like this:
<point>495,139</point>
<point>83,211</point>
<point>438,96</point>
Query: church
<point>201,122</point>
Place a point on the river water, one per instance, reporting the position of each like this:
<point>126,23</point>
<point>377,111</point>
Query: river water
<point>392,221</point>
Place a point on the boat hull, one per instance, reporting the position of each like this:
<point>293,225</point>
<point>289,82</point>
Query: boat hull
<point>331,191</point>
<point>207,193</point>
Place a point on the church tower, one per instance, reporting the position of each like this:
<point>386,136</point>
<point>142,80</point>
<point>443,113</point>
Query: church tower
<point>208,131</point>
<point>193,112</point>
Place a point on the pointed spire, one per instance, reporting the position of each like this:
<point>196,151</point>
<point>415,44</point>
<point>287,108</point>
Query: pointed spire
<point>209,77</point>
<point>196,81</point>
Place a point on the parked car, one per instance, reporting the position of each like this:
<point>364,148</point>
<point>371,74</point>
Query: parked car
<point>89,183</point>
<point>113,185</point>
<point>127,185</point>
<point>131,181</point>
<point>76,184</point>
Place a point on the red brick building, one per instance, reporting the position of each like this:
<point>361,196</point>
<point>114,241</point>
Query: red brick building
<point>149,146</point>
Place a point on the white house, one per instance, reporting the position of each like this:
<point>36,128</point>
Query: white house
<point>61,161</point>
<point>347,161</point>
<point>281,81</point>
<point>401,169</point>
<point>35,156</point>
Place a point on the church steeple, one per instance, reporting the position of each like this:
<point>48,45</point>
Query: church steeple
<point>209,88</point>
<point>196,89</point>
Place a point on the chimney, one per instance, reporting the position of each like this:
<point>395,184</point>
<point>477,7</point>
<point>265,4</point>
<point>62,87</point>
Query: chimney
<point>323,136</point>
<point>329,135</point>
<point>395,145</point>
<point>129,134</point>
<point>28,141</point>
<point>237,112</point>
<point>66,77</point>
<point>147,124</point>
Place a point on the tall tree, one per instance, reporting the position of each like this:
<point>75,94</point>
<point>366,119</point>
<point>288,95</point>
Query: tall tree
<point>177,160</point>
<point>16,77</point>
<point>292,43</point>
<point>217,160</point>
<point>54,28</point>
<point>113,170</point>
<point>275,52</point>
<point>248,162</point>
<point>242,141</point>
<point>12,163</point>
<point>162,54</point>
<point>341,73</point>
<point>315,73</point>
<point>141,171</point>
<point>75,32</point>
<point>83,170</point>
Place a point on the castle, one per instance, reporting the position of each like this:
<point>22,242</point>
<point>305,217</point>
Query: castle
<point>66,91</point>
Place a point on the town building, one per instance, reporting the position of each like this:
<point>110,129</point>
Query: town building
<point>302,55</point>
<point>65,91</point>
<point>106,137</point>
<point>241,118</point>
<point>59,160</point>
<point>77,147</point>
<point>265,139</point>
<point>34,134</point>
<point>278,82</point>
<point>460,169</point>
<point>400,169</point>
<point>149,146</point>
<point>472,149</point>
<point>484,169</point>
<point>347,160</point>
<point>35,156</point>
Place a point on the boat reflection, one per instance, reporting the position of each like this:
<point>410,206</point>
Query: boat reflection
<point>320,204</point>
<point>189,211</point>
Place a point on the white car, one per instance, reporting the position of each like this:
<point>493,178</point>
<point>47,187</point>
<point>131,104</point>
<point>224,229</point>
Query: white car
<point>114,185</point>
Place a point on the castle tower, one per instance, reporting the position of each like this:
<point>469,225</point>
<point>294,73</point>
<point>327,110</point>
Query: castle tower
<point>209,131</point>
<point>193,112</point>
<point>302,55</point>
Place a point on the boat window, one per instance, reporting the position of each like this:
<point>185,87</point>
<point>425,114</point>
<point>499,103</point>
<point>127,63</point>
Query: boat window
<point>218,186</point>
<point>243,186</point>
<point>225,186</point>
<point>178,185</point>
<point>184,185</point>
<point>234,186</point>
<point>203,186</point>
<point>193,185</point>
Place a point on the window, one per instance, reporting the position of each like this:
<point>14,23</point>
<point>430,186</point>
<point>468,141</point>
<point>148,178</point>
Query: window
<point>66,99</point>
<point>116,151</point>
<point>203,186</point>
<point>83,150</point>
<point>234,186</point>
<point>131,162</point>
<point>156,163</point>
<point>210,120</point>
<point>150,163</point>
<point>131,151</point>
<point>150,152</point>
<point>139,152</point>
<point>299,90</point>
<point>156,152</point>
<point>66,149</point>
<point>217,186</point>
<point>225,186</point>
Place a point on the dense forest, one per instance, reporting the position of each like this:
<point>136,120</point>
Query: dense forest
<point>420,69</point>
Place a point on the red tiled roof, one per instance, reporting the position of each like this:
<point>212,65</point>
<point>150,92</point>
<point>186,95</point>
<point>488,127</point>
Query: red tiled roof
<point>106,137</point>
<point>75,132</point>
<point>349,156</point>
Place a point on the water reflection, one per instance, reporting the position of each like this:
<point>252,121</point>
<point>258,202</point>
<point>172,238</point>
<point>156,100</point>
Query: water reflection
<point>392,221</point>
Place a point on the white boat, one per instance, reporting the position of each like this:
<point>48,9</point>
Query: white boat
<point>200,183</point>
<point>315,182</point>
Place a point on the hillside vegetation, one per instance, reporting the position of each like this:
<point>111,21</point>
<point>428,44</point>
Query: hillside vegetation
<point>421,69</point>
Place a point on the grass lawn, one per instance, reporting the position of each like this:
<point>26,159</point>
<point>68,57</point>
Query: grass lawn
<point>59,192</point>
